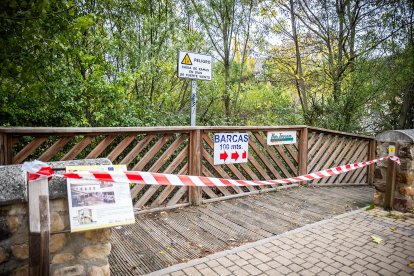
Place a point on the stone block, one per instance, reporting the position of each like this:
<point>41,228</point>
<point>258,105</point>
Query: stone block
<point>20,251</point>
<point>62,258</point>
<point>380,185</point>
<point>101,235</point>
<point>407,191</point>
<point>13,223</point>
<point>99,271</point>
<point>97,251</point>
<point>75,270</point>
<point>3,255</point>
<point>4,229</point>
<point>405,177</point>
<point>56,222</point>
<point>57,241</point>
<point>21,271</point>
<point>18,209</point>
<point>59,205</point>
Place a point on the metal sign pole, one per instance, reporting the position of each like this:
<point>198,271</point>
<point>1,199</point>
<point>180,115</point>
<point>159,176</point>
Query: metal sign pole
<point>193,102</point>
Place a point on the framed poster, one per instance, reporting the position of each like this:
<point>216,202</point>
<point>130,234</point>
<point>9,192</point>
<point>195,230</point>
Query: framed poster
<point>96,204</point>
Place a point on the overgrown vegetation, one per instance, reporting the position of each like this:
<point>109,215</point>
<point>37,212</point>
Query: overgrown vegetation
<point>345,65</point>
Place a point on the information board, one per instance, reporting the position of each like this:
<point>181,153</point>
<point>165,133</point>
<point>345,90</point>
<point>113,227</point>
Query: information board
<point>230,148</point>
<point>281,137</point>
<point>96,204</point>
<point>194,66</point>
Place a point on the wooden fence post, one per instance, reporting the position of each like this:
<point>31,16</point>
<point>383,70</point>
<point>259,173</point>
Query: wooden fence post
<point>194,165</point>
<point>390,182</point>
<point>6,157</point>
<point>39,227</point>
<point>371,155</point>
<point>303,152</point>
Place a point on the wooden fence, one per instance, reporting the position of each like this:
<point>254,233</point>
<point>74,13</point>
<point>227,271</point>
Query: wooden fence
<point>189,150</point>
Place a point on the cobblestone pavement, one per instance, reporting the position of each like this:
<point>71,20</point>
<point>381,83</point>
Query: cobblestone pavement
<point>342,245</point>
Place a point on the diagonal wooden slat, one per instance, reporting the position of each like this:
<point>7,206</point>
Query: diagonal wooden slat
<point>28,150</point>
<point>318,161</point>
<point>315,145</point>
<point>177,196</point>
<point>152,152</point>
<point>137,149</point>
<point>78,148</point>
<point>101,147</point>
<point>330,162</point>
<point>167,153</point>
<point>162,196</point>
<point>136,189</point>
<point>265,161</point>
<point>177,160</point>
<point>271,153</point>
<point>286,159</point>
<point>354,158</point>
<point>292,152</point>
<point>348,158</point>
<point>120,148</point>
<point>146,196</point>
<point>54,149</point>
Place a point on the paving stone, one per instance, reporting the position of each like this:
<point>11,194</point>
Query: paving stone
<point>208,272</point>
<point>221,270</point>
<point>225,262</point>
<point>252,270</point>
<point>264,267</point>
<point>190,271</point>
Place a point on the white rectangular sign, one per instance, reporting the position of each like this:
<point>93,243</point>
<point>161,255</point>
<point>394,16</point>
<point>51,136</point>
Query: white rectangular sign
<point>281,137</point>
<point>230,148</point>
<point>96,204</point>
<point>194,66</point>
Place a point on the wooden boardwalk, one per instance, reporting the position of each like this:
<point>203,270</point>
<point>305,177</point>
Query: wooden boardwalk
<point>160,240</point>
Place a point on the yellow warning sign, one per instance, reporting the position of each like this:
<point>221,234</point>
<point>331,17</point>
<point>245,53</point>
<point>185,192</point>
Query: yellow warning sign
<point>186,60</point>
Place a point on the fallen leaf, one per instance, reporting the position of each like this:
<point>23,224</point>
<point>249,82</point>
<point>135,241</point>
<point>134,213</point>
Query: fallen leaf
<point>376,239</point>
<point>393,229</point>
<point>161,252</point>
<point>410,264</point>
<point>169,248</point>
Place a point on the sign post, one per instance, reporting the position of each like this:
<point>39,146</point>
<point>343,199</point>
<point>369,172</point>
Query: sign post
<point>195,67</point>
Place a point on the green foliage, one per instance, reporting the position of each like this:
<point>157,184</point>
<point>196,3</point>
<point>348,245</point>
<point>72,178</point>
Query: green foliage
<point>113,63</point>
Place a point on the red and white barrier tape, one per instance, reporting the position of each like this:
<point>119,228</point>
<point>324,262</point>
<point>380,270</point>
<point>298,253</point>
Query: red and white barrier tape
<point>38,169</point>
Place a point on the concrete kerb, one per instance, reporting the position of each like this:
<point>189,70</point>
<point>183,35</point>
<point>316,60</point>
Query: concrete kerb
<point>250,245</point>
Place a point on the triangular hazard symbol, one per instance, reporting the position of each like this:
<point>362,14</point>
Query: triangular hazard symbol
<point>186,60</point>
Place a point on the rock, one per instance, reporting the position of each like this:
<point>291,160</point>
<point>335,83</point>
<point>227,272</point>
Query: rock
<point>13,223</point>
<point>3,255</point>
<point>378,198</point>
<point>404,177</point>
<point>400,205</point>
<point>4,229</point>
<point>99,271</point>
<point>18,209</point>
<point>21,271</point>
<point>59,205</point>
<point>98,251</point>
<point>61,258</point>
<point>56,222</point>
<point>407,191</point>
<point>75,270</point>
<point>380,185</point>
<point>56,242</point>
<point>20,251</point>
<point>101,235</point>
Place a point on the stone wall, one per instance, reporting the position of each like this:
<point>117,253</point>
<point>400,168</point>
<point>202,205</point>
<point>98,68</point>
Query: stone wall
<point>83,253</point>
<point>404,182</point>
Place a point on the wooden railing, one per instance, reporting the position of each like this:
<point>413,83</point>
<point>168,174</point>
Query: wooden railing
<point>189,150</point>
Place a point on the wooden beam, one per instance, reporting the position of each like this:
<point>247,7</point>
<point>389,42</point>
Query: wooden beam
<point>6,153</point>
<point>194,165</point>
<point>303,152</point>
<point>39,227</point>
<point>390,182</point>
<point>371,155</point>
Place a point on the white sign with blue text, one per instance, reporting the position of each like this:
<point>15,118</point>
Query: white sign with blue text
<point>230,148</point>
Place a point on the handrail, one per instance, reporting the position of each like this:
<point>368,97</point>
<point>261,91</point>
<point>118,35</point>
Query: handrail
<point>165,129</point>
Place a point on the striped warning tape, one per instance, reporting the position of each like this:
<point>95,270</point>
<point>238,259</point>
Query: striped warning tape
<point>38,169</point>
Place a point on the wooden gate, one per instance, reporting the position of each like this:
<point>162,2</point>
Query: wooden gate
<point>189,150</point>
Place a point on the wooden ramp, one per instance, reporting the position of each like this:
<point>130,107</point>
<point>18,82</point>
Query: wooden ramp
<point>160,240</point>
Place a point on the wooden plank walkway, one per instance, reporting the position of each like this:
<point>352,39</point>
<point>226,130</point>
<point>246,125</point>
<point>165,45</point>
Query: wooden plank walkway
<point>160,240</point>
